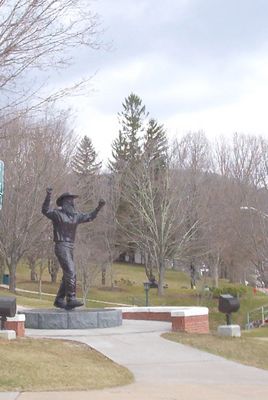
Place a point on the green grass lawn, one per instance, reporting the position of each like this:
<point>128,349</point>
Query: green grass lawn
<point>248,349</point>
<point>43,364</point>
<point>261,332</point>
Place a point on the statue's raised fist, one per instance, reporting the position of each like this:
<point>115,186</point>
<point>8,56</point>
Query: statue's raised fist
<point>101,203</point>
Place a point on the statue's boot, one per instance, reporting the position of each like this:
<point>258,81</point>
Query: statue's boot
<point>59,300</point>
<point>59,303</point>
<point>73,303</point>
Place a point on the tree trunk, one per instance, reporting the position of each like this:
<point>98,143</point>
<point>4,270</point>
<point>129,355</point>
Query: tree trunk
<point>232,272</point>
<point>84,298</point>
<point>193,275</point>
<point>2,266</point>
<point>54,275</point>
<point>216,275</point>
<point>103,277</point>
<point>53,270</point>
<point>161,278</point>
<point>33,273</point>
<point>40,287</point>
<point>12,266</point>
<point>216,272</point>
<point>149,267</point>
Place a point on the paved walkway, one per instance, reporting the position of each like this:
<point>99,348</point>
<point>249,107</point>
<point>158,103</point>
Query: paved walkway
<point>163,370</point>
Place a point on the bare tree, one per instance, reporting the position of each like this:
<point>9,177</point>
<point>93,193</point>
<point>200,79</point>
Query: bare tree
<point>156,218</point>
<point>236,183</point>
<point>110,191</point>
<point>36,153</point>
<point>97,248</point>
<point>88,264</point>
<point>38,35</point>
<point>193,159</point>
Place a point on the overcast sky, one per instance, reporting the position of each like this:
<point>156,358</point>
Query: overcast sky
<point>196,64</point>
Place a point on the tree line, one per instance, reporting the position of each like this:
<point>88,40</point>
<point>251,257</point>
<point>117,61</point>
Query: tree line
<point>190,203</point>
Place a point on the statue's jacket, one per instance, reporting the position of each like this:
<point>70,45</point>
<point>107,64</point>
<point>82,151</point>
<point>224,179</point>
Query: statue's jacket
<point>64,225</point>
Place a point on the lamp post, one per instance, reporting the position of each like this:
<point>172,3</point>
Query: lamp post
<point>146,288</point>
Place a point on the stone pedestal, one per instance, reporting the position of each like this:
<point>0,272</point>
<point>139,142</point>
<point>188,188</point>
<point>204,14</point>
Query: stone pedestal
<point>75,319</point>
<point>229,330</point>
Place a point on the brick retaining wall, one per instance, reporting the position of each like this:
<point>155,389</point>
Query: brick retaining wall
<point>183,319</point>
<point>194,324</point>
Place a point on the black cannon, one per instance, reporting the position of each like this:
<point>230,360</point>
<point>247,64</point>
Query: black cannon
<point>8,308</point>
<point>227,305</point>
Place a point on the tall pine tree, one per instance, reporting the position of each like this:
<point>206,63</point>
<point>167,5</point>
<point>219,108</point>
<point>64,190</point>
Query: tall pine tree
<point>120,154</point>
<point>127,147</point>
<point>86,168</point>
<point>155,144</point>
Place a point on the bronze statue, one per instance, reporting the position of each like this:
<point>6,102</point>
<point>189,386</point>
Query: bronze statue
<point>65,220</point>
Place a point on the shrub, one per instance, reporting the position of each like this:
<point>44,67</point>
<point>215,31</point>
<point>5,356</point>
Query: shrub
<point>236,291</point>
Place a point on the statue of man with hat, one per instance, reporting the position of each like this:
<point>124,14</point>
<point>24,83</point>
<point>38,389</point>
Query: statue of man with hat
<point>65,220</point>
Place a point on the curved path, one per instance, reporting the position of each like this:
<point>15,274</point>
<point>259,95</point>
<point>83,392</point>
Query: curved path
<point>163,370</point>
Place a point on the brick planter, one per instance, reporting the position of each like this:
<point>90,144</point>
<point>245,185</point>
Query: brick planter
<point>183,319</point>
<point>16,324</point>
<point>190,321</point>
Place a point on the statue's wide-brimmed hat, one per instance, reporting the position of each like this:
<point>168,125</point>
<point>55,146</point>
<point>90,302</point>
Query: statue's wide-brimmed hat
<point>63,196</point>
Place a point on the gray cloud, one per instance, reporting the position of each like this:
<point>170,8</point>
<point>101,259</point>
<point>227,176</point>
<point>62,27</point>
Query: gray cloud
<point>179,56</point>
<point>183,39</point>
<point>194,29</point>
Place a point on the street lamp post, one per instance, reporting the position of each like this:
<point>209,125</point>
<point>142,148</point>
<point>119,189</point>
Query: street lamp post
<point>146,288</point>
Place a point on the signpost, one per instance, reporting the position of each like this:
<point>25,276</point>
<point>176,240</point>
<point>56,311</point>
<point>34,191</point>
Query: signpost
<point>1,183</point>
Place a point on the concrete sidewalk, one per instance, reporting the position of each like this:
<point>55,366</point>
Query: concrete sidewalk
<point>163,370</point>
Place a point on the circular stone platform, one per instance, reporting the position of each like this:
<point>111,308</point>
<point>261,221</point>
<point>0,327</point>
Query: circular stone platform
<point>75,319</point>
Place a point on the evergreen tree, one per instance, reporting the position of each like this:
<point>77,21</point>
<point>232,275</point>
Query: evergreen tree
<point>119,153</point>
<point>85,158</point>
<point>127,147</point>
<point>126,155</point>
<point>86,168</point>
<point>155,144</point>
